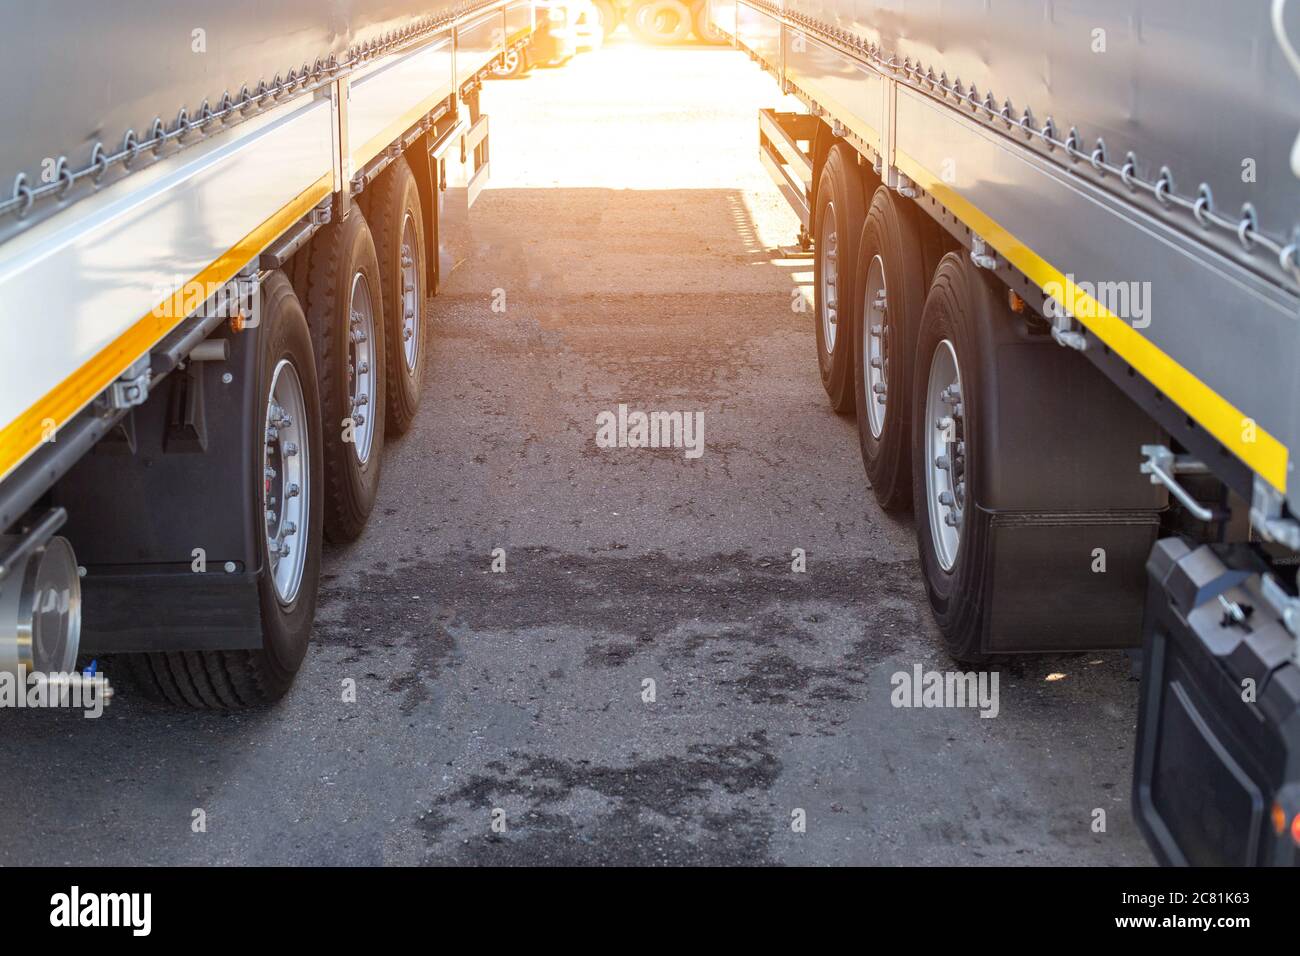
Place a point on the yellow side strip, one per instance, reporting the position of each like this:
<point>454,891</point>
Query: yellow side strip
<point>1265,455</point>
<point>21,437</point>
<point>865,131</point>
<point>394,129</point>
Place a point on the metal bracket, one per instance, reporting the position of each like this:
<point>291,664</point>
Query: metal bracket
<point>322,212</point>
<point>982,255</point>
<point>132,388</point>
<point>899,182</point>
<point>1286,606</point>
<point>1266,516</point>
<point>341,94</point>
<point>1066,334</point>
<point>1162,465</point>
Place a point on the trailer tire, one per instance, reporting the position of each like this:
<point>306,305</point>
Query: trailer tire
<point>610,18</point>
<point>895,252</point>
<point>1040,444</point>
<point>953,561</point>
<point>661,21</point>
<point>230,680</point>
<point>705,31</point>
<point>345,314</point>
<point>398,229</point>
<point>837,227</point>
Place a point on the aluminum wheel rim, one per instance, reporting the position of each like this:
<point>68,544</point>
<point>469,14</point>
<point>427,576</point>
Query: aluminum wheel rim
<point>828,242</point>
<point>945,453</point>
<point>410,295</point>
<point>286,490</point>
<point>361,375</point>
<point>875,346</point>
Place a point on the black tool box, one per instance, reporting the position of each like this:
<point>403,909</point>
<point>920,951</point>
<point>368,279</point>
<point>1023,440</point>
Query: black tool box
<point>1217,772</point>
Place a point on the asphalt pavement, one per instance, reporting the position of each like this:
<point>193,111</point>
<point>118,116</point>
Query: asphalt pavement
<point>687,659</point>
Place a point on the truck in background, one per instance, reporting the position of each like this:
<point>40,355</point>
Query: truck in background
<point>660,21</point>
<point>1063,307</point>
<point>213,283</point>
<point>563,29</point>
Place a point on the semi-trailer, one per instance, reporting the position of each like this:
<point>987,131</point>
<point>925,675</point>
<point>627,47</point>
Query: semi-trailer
<point>218,232</point>
<point>1056,283</point>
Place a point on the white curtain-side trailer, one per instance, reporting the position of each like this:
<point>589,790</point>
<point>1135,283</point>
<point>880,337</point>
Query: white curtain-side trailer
<point>218,228</point>
<point>1056,281</point>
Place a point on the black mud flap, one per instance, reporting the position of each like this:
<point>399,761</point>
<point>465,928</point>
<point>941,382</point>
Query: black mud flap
<point>1216,778</point>
<point>163,515</point>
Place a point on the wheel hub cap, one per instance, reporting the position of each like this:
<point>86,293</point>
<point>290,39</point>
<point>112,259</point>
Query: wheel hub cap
<point>945,448</point>
<point>361,374</point>
<point>875,346</point>
<point>829,244</point>
<point>285,487</point>
<point>410,296</point>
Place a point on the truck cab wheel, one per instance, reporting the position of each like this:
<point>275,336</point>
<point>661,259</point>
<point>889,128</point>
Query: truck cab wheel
<point>346,315</point>
<point>837,227</point>
<point>288,456</point>
<point>894,255</point>
<point>513,65</point>
<point>397,223</point>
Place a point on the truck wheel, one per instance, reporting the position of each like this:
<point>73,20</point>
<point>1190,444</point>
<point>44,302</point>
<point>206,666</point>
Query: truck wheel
<point>398,228</point>
<point>609,16</point>
<point>705,31</point>
<point>289,457</point>
<point>1023,478</point>
<point>662,21</point>
<point>947,444</point>
<point>894,255</point>
<point>346,316</point>
<point>513,65</point>
<point>837,227</point>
